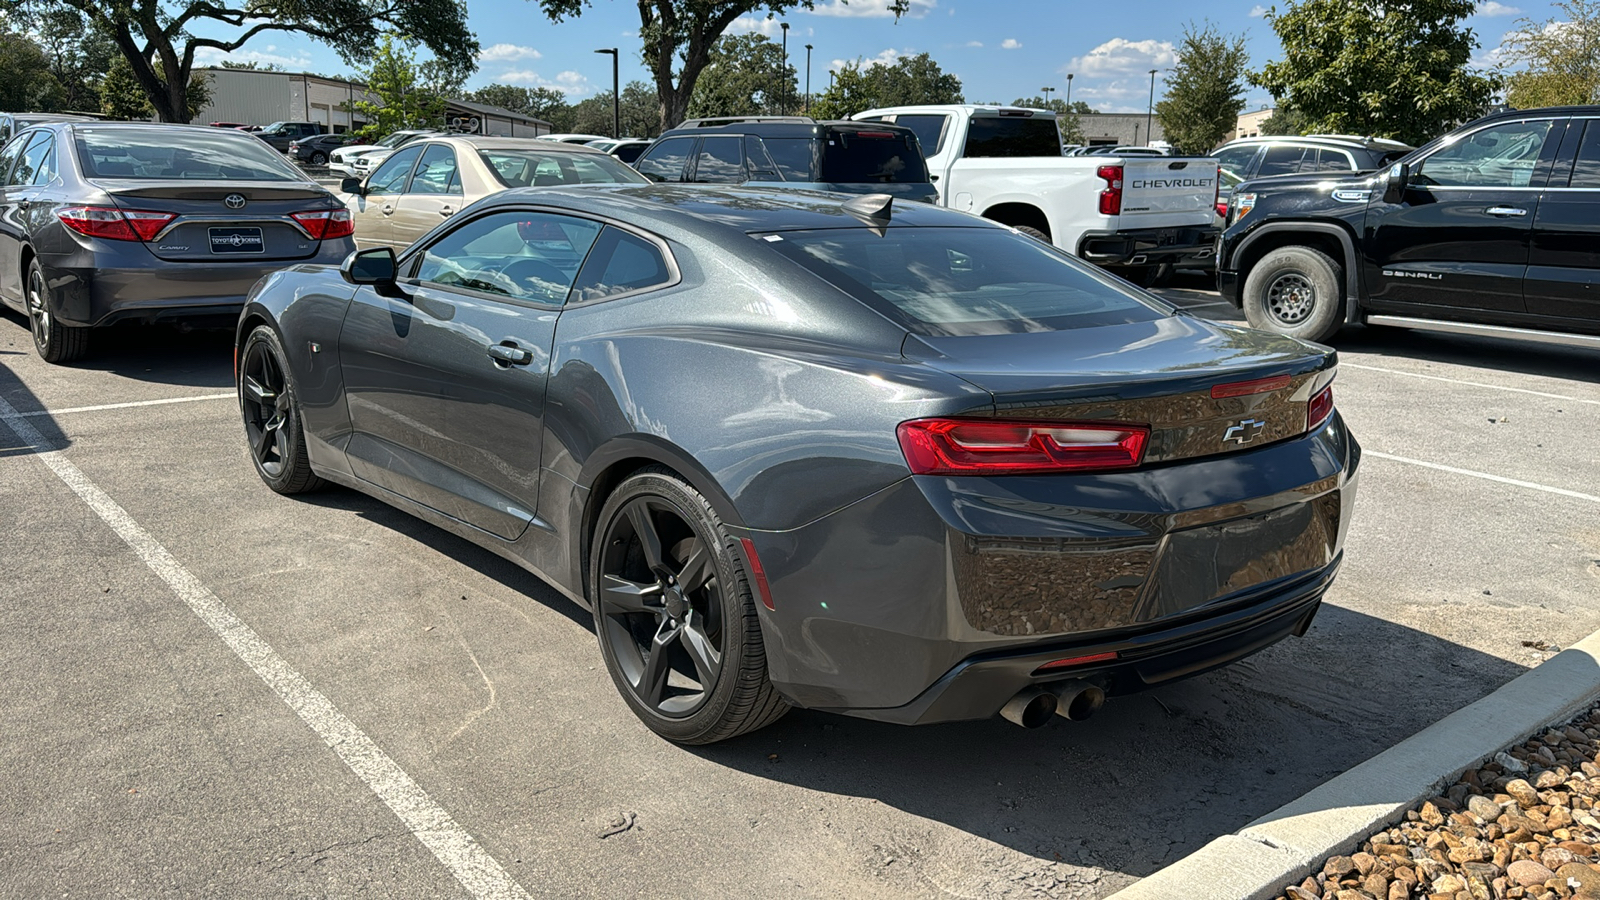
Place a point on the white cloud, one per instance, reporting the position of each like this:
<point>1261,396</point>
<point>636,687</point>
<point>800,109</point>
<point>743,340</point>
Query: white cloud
<point>1119,56</point>
<point>872,9</point>
<point>974,43</point>
<point>1010,44</point>
<point>1258,11</point>
<point>1491,8</point>
<point>295,60</point>
<point>886,58</point>
<point>569,82</point>
<point>768,26</point>
<point>500,53</point>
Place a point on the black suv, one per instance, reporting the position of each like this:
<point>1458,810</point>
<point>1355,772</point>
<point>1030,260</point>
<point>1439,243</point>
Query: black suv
<point>1490,229</point>
<point>792,152</point>
<point>1280,154</point>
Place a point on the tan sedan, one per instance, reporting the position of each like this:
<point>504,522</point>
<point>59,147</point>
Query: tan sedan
<point>426,182</point>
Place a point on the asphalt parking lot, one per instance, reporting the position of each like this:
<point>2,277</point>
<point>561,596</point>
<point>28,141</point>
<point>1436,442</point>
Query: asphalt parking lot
<point>211,690</point>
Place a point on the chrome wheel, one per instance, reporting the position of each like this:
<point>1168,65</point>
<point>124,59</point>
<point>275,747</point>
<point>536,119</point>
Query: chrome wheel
<point>660,607</point>
<point>1291,298</point>
<point>267,408</point>
<point>39,310</point>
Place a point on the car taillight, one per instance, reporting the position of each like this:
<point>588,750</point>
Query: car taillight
<point>326,224</point>
<point>1222,208</point>
<point>1320,408</point>
<point>114,224</point>
<point>1111,197</point>
<point>1006,447</point>
<point>1216,196</point>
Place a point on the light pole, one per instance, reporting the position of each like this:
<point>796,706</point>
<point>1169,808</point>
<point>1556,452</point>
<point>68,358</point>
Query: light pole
<point>1150,110</point>
<point>1047,92</point>
<point>616,96</point>
<point>808,79</point>
<point>783,106</point>
<point>1069,90</point>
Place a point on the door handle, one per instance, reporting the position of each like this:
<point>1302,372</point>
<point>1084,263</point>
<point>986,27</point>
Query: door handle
<point>386,209</point>
<point>24,204</point>
<point>446,211</point>
<point>1505,211</point>
<point>510,354</point>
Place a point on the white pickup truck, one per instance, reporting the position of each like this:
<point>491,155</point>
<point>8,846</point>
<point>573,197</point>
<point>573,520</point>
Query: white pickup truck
<point>1134,213</point>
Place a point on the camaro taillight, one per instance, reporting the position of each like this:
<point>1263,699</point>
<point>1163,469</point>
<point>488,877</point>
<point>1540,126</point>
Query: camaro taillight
<point>1111,197</point>
<point>1320,408</point>
<point>114,224</point>
<point>1008,447</point>
<point>326,224</point>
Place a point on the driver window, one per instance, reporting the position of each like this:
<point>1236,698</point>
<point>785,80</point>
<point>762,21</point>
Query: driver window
<point>437,173</point>
<point>390,178</point>
<point>526,256</point>
<point>1501,156</point>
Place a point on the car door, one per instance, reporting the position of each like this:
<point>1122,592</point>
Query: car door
<point>434,195</point>
<point>719,160</point>
<point>373,211</point>
<point>24,159</point>
<point>446,384</point>
<point>666,160</point>
<point>1564,265</point>
<point>1458,237</point>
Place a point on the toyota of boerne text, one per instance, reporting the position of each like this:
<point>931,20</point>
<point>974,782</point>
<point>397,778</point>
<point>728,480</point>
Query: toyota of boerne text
<point>1489,230</point>
<point>795,448</point>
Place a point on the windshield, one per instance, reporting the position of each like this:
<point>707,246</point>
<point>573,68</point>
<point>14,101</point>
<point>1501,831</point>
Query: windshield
<point>274,128</point>
<point>394,140</point>
<point>1012,136</point>
<point>872,157</point>
<point>964,281</point>
<point>166,153</point>
<point>532,168</point>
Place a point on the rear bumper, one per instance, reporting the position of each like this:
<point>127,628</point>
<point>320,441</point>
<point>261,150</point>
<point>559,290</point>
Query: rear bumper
<point>1191,247</point>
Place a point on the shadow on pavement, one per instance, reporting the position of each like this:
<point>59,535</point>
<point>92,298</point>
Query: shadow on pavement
<point>1505,355</point>
<point>16,393</point>
<point>163,354</point>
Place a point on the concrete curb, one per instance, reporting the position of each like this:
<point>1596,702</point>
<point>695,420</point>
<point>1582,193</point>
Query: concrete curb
<point>1282,847</point>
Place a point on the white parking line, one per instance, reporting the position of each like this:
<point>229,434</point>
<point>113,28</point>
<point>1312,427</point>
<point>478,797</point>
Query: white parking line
<point>1484,475</point>
<point>471,865</point>
<point>129,405</point>
<point>1496,387</point>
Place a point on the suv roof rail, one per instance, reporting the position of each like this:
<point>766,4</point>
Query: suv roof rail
<point>731,120</point>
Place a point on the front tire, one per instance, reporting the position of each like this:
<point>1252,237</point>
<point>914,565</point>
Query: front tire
<point>674,613</point>
<point>1296,291</point>
<point>271,412</point>
<point>1034,233</point>
<point>55,342</point>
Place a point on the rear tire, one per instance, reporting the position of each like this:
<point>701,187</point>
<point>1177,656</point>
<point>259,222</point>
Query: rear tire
<point>319,158</point>
<point>55,342</point>
<point>1296,291</point>
<point>1034,233</point>
<point>273,430</point>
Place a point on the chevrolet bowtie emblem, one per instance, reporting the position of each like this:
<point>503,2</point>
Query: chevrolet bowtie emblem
<point>1244,432</point>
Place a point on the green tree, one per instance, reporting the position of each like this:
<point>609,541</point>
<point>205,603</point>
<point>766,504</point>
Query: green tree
<point>253,66</point>
<point>26,84</point>
<point>541,103</point>
<point>639,114</point>
<point>122,97</point>
<point>745,77</point>
<point>909,81</point>
<point>1558,60</point>
<point>79,54</point>
<point>1285,119</point>
<point>1205,90</point>
<point>405,98</point>
<point>1395,70</point>
<point>678,36</point>
<point>159,38</point>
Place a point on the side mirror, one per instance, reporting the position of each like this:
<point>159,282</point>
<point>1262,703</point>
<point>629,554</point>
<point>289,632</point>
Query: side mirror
<point>353,185</point>
<point>1399,176</point>
<point>375,266</point>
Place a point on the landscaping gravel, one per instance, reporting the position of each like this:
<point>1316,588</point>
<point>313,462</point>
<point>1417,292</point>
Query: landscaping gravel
<point>1524,825</point>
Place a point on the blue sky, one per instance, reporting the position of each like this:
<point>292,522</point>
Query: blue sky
<point>1001,49</point>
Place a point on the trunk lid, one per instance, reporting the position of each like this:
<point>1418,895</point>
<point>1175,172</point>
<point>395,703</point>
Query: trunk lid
<point>1160,373</point>
<point>211,226</point>
<point>1158,191</point>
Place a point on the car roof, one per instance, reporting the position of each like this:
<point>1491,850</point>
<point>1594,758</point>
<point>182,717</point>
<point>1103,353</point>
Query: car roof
<point>492,142</point>
<point>776,126</point>
<point>1331,140</point>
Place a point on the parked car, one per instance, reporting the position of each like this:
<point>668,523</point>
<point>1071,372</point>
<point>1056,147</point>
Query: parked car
<point>571,138</point>
<point>342,160</point>
<point>279,134</point>
<point>794,152</point>
<point>1132,214</point>
<point>103,223</point>
<point>1124,150</point>
<point>430,180</point>
<point>628,149</point>
<point>314,151</point>
<point>794,449</point>
<point>1271,155</point>
<point>234,125</point>
<point>1488,230</point>
<point>12,123</point>
<point>363,163</point>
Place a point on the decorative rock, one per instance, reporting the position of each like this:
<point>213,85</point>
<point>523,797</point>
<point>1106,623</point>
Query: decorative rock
<point>1528,873</point>
<point>1510,763</point>
<point>1520,790</point>
<point>1448,884</point>
<point>1547,779</point>
<point>1577,848</point>
<point>1484,808</point>
<point>1554,858</point>
<point>1399,891</point>
<point>1338,867</point>
<point>1377,886</point>
<point>1365,863</point>
<point>1431,815</point>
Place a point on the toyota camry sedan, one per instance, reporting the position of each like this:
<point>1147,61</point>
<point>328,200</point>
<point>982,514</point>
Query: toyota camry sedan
<point>798,449</point>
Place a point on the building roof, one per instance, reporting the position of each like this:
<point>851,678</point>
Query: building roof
<point>497,111</point>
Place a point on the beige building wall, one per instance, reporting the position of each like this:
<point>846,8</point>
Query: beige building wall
<point>1250,123</point>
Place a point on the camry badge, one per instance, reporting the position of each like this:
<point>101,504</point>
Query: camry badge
<point>234,201</point>
<point>1244,432</point>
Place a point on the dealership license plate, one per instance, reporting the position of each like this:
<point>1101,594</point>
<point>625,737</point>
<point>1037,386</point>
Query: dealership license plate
<point>237,240</point>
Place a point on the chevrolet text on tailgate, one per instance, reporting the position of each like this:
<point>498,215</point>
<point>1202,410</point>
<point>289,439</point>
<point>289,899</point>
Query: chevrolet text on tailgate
<point>1132,214</point>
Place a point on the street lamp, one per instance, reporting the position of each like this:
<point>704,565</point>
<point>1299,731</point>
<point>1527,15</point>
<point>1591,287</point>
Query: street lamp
<point>616,96</point>
<point>1047,91</point>
<point>808,79</point>
<point>783,105</point>
<point>1150,110</point>
<point>1069,90</point>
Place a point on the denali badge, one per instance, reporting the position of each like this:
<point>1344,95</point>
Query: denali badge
<point>1244,432</point>
<point>234,201</point>
<point>1401,273</point>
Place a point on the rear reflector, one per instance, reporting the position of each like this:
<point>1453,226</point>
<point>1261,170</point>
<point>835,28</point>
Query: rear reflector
<point>326,224</point>
<point>758,574</point>
<point>114,224</point>
<point>1245,388</point>
<point>1077,661</point>
<point>1003,447</point>
<point>1320,408</point>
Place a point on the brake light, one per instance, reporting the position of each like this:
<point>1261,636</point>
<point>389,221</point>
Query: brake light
<point>326,224</point>
<point>877,134</point>
<point>114,224</point>
<point>1320,408</point>
<point>1111,197</point>
<point>1222,208</point>
<point>1005,447</point>
<point>1246,388</point>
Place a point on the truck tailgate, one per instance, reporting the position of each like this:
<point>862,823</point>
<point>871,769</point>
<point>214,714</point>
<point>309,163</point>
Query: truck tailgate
<point>1161,192</point>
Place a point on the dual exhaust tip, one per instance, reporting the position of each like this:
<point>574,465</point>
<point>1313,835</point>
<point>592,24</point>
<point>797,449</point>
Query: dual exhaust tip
<point>1074,700</point>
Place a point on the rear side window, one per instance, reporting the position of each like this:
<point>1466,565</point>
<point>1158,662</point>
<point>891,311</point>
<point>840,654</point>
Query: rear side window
<point>1235,162</point>
<point>1012,136</point>
<point>209,154</point>
<point>1585,171</point>
<point>964,281</point>
<point>536,168</point>
<point>719,161</point>
<point>629,152</point>
<point>872,157</point>
<point>13,149</point>
<point>929,130</point>
<point>666,160</point>
<point>33,161</point>
<point>1282,159</point>
<point>621,263</point>
<point>794,157</point>
<point>1330,160</point>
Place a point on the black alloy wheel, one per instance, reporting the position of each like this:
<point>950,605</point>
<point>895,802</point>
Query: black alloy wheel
<point>318,158</point>
<point>675,616</point>
<point>271,419</point>
<point>55,342</point>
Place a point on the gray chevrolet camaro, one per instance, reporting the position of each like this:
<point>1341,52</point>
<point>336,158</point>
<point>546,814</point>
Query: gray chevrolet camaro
<point>794,449</point>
